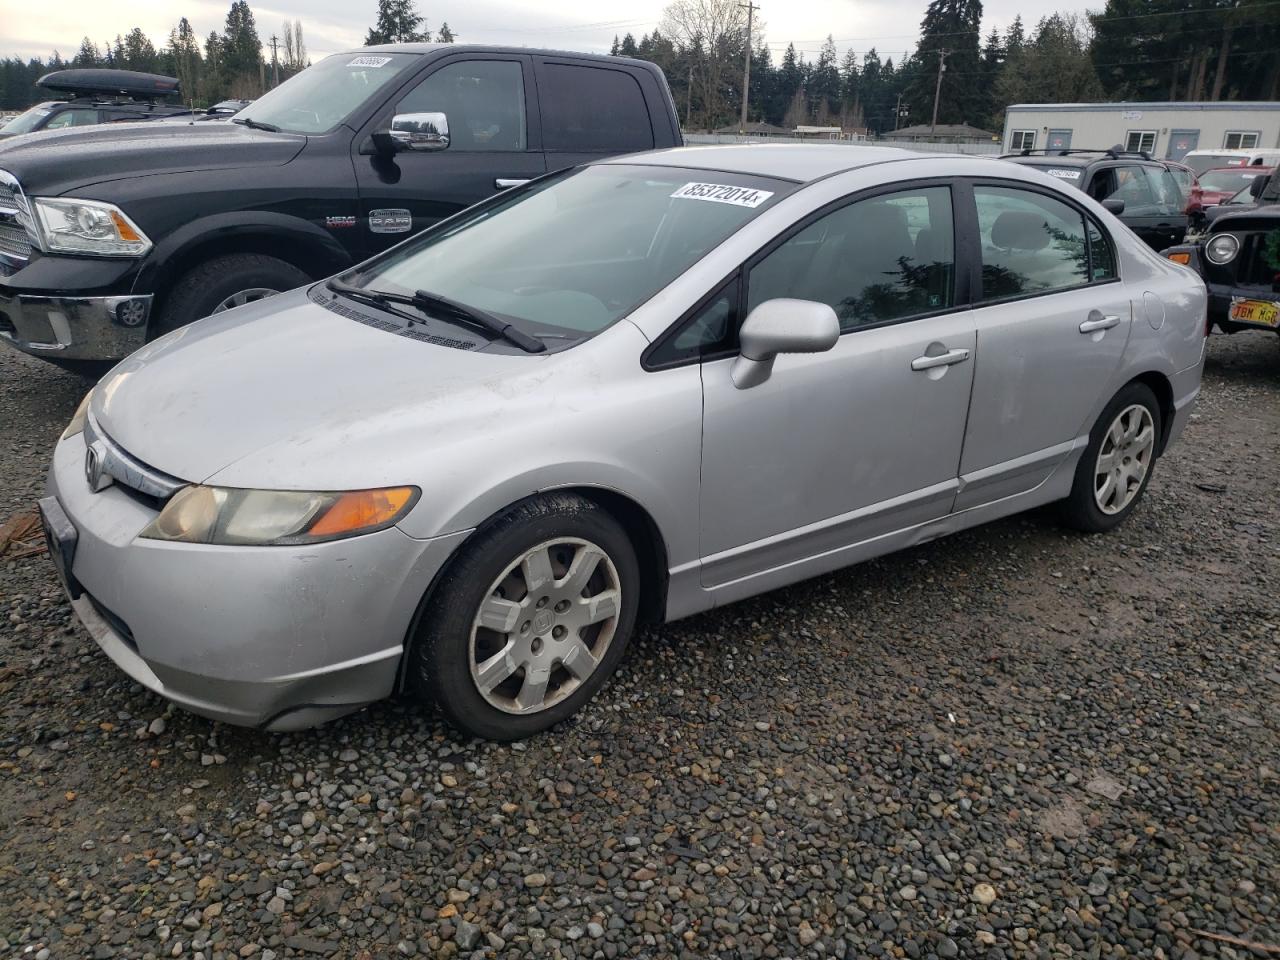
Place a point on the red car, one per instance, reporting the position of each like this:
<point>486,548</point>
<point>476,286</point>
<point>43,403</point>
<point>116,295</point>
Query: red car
<point>1220,185</point>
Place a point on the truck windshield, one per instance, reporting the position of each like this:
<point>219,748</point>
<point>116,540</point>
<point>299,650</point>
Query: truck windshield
<point>26,122</point>
<point>572,254</point>
<point>324,95</point>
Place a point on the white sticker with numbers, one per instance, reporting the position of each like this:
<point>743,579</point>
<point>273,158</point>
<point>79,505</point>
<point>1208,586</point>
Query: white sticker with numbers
<point>369,62</point>
<point>721,193</point>
<point>1062,174</point>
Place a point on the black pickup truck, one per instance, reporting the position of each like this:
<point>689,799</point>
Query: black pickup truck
<point>110,236</point>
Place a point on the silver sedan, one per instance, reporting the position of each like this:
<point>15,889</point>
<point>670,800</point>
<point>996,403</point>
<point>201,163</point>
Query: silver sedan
<point>466,469</point>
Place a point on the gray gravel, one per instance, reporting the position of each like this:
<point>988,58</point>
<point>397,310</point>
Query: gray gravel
<point>1017,742</point>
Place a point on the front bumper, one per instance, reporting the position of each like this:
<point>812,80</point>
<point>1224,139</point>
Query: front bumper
<point>275,637</point>
<point>74,328</point>
<point>1220,296</point>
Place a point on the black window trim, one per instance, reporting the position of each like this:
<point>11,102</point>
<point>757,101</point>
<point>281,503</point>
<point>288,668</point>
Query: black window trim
<point>976,256</point>
<point>964,234</point>
<point>731,284</point>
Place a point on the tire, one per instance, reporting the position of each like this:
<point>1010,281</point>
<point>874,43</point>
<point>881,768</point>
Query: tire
<point>205,289</point>
<point>1094,507</point>
<point>450,644</point>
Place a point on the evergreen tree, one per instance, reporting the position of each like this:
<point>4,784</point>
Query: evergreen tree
<point>88,55</point>
<point>138,52</point>
<point>951,26</point>
<point>398,22</point>
<point>628,47</point>
<point>444,34</point>
<point>240,49</point>
<point>824,84</point>
<point>185,51</point>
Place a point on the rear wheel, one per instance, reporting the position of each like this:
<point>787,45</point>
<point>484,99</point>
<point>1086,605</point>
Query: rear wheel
<point>530,620</point>
<point>1115,468</point>
<point>224,283</point>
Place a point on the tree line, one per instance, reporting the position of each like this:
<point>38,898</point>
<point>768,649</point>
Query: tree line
<point>1130,50</point>
<point>234,62</point>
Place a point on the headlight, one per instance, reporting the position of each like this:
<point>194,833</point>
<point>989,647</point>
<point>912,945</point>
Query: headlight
<point>1222,248</point>
<point>222,515</point>
<point>77,419</point>
<point>88,226</point>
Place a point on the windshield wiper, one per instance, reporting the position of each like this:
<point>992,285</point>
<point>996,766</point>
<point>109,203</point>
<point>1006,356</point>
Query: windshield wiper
<point>256,124</point>
<point>434,302</point>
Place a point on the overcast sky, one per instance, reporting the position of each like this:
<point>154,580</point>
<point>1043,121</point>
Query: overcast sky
<point>35,29</point>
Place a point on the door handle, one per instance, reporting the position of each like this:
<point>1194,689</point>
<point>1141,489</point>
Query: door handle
<point>1098,322</point>
<point>941,360</point>
<point>504,184</point>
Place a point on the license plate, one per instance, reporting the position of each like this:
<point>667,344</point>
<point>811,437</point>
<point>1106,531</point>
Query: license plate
<point>1264,312</point>
<point>60,537</point>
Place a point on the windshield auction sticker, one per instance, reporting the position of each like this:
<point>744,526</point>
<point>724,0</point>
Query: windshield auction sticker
<point>369,62</point>
<point>1062,174</point>
<point>720,193</point>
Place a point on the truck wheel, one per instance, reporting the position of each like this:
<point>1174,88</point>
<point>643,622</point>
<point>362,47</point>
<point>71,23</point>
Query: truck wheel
<point>223,283</point>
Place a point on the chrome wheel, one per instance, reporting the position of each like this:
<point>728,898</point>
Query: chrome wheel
<point>1124,459</point>
<point>241,297</point>
<point>544,625</point>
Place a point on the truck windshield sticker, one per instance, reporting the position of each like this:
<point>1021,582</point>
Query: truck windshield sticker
<point>1062,174</point>
<point>369,62</point>
<point>721,193</point>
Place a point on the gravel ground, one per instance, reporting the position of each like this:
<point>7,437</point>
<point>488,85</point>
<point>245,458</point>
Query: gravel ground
<point>1017,742</point>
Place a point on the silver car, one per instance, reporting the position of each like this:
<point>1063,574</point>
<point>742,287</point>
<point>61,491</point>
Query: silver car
<point>629,392</point>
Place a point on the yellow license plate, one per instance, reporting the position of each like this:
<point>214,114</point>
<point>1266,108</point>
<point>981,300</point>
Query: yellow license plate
<point>1256,311</point>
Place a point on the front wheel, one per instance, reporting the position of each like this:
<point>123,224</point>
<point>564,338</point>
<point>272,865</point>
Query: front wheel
<point>223,283</point>
<point>530,620</point>
<point>1116,466</point>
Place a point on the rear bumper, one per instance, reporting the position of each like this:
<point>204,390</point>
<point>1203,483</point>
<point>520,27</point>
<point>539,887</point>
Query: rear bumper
<point>74,328</point>
<point>1186,390</point>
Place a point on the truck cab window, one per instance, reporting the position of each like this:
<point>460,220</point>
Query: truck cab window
<point>482,99</point>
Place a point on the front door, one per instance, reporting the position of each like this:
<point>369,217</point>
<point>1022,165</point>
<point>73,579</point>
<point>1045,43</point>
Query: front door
<point>1181,142</point>
<point>840,447</point>
<point>1052,321</point>
<point>1059,140</point>
<point>487,102</point>
<point>1153,204</point>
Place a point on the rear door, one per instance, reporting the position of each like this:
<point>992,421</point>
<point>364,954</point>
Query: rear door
<point>592,109</point>
<point>1153,204</point>
<point>1052,320</point>
<point>491,107</point>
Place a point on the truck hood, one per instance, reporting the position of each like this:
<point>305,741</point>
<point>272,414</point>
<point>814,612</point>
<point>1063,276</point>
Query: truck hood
<point>55,162</point>
<point>290,395</point>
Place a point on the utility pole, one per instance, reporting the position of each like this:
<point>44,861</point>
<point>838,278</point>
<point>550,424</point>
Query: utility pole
<point>275,64</point>
<point>897,113</point>
<point>937,90</point>
<point>688,99</point>
<point>751,8</point>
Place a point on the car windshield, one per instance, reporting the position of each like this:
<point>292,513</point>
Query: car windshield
<point>1231,179</point>
<point>26,122</point>
<point>570,255</point>
<point>1207,161</point>
<point>324,95</point>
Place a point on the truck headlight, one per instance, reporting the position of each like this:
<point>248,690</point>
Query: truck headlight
<point>232,516</point>
<point>1222,248</point>
<point>88,227</point>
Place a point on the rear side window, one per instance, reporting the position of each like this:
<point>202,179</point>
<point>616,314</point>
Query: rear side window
<point>592,109</point>
<point>1031,243</point>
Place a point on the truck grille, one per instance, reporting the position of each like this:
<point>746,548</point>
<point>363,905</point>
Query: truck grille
<point>1252,268</point>
<point>15,240</point>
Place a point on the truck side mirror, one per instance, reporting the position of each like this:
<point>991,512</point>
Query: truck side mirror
<point>1113,206</point>
<point>1256,186</point>
<point>423,132</point>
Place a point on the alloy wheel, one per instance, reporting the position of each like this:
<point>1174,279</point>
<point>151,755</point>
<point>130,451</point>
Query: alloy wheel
<point>241,297</point>
<point>544,625</point>
<point>1124,459</point>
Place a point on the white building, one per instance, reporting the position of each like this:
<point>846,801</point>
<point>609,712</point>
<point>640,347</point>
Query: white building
<point>1166,130</point>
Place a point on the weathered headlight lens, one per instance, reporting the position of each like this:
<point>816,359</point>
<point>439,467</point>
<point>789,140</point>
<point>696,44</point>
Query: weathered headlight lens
<point>88,227</point>
<point>1222,248</point>
<point>229,516</point>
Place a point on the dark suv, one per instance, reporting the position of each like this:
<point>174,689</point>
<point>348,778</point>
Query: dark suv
<point>97,96</point>
<point>345,159</point>
<point>1137,189</point>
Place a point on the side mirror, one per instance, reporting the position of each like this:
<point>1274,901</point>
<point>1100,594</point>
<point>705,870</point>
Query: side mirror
<point>1256,186</point>
<point>1113,206</point>
<point>781,326</point>
<point>423,132</point>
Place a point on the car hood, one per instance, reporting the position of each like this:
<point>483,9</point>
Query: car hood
<point>286,394</point>
<point>51,163</point>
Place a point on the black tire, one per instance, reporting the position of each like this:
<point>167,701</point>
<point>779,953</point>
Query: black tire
<point>439,658</point>
<point>1080,510</point>
<point>200,290</point>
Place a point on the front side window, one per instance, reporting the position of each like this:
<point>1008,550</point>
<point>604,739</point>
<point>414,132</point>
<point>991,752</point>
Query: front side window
<point>1031,243</point>
<point>1140,141</point>
<point>1240,140</point>
<point>482,99</point>
<point>324,95</point>
<point>570,255</point>
<point>72,118</point>
<point>589,109</point>
<point>876,260</point>
<point>1022,140</point>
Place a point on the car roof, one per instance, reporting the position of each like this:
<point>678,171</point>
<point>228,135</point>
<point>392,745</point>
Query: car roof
<point>801,162</point>
<point>1254,168</point>
<point>488,48</point>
